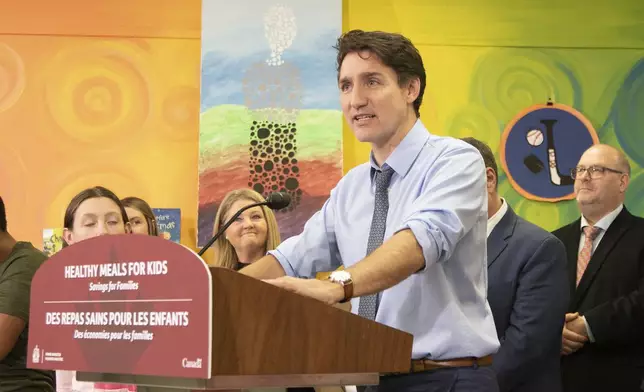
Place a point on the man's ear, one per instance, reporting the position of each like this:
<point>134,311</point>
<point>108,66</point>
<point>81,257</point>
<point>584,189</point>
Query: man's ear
<point>623,182</point>
<point>413,89</point>
<point>491,179</point>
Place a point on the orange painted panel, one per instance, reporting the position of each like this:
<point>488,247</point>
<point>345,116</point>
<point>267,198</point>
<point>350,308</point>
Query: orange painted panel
<point>111,18</point>
<point>77,112</point>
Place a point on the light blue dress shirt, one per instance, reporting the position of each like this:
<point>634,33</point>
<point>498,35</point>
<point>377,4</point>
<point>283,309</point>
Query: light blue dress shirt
<point>438,191</point>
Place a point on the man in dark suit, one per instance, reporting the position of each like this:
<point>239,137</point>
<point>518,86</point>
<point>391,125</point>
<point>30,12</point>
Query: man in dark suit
<point>603,338</point>
<point>527,292</point>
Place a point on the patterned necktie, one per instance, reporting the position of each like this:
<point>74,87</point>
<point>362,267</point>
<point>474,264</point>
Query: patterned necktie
<point>369,303</point>
<point>590,233</point>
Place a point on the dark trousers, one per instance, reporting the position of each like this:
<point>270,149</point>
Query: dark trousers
<point>301,389</point>
<point>456,379</point>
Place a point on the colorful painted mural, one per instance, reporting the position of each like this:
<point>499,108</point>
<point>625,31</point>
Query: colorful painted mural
<point>270,116</point>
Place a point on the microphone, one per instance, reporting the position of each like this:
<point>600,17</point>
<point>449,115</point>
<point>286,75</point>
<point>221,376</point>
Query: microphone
<point>278,200</point>
<point>274,201</point>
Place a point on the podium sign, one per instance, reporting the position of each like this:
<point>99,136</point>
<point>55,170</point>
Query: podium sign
<point>126,304</point>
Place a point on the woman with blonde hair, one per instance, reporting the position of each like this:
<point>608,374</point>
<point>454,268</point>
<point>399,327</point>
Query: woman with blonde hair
<point>250,236</point>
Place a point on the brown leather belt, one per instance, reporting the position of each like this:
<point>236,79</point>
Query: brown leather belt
<point>423,365</point>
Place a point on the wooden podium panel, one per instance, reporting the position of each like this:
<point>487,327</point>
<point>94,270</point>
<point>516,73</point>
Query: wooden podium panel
<point>300,335</point>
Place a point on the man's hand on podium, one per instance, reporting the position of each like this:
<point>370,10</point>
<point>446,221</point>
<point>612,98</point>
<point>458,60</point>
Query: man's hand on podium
<point>323,290</point>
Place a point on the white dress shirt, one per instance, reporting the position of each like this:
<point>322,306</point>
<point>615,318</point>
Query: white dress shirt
<point>604,223</point>
<point>496,218</point>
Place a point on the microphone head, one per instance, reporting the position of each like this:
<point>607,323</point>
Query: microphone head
<point>278,200</point>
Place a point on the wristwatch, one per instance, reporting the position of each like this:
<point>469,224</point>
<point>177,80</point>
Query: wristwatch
<point>344,278</point>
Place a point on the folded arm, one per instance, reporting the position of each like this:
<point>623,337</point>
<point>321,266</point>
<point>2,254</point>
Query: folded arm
<point>447,208</point>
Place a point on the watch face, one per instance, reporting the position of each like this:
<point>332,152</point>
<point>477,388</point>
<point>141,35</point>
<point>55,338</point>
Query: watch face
<point>340,276</point>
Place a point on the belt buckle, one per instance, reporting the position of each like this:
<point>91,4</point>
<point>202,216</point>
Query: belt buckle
<point>476,362</point>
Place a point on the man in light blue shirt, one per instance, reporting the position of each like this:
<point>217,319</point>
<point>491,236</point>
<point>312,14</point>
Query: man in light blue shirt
<point>429,272</point>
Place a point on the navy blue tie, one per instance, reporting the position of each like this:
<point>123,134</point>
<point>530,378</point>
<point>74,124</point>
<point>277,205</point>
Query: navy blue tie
<point>369,303</point>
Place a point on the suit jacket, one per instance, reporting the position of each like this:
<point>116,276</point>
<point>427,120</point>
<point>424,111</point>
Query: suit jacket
<point>528,294</point>
<point>611,297</point>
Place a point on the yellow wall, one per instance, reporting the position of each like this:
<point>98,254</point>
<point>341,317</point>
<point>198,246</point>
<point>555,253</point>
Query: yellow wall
<point>442,28</point>
<point>488,60</point>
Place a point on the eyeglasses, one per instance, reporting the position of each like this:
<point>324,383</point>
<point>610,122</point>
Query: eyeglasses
<point>593,171</point>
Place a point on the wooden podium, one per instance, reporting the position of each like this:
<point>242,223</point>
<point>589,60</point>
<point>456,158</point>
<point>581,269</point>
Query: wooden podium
<point>260,335</point>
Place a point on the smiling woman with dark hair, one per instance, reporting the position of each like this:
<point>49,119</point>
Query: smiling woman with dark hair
<point>18,264</point>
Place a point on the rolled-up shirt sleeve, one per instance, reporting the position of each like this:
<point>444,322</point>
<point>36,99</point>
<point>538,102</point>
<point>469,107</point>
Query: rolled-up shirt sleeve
<point>315,249</point>
<point>450,203</point>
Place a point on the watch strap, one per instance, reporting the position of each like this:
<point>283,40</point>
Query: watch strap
<point>348,291</point>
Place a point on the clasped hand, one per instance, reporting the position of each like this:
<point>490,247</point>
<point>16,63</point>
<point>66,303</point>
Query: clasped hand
<point>574,334</point>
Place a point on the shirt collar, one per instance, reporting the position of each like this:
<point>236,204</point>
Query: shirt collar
<point>406,152</point>
<point>496,218</point>
<point>605,222</point>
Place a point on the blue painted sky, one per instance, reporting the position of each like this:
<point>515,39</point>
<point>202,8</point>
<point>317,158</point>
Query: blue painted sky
<point>233,39</point>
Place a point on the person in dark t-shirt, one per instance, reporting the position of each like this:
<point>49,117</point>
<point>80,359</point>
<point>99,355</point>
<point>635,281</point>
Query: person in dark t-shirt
<point>18,264</point>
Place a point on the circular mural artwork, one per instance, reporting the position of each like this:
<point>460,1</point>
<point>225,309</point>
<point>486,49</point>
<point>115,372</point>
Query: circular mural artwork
<point>540,147</point>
